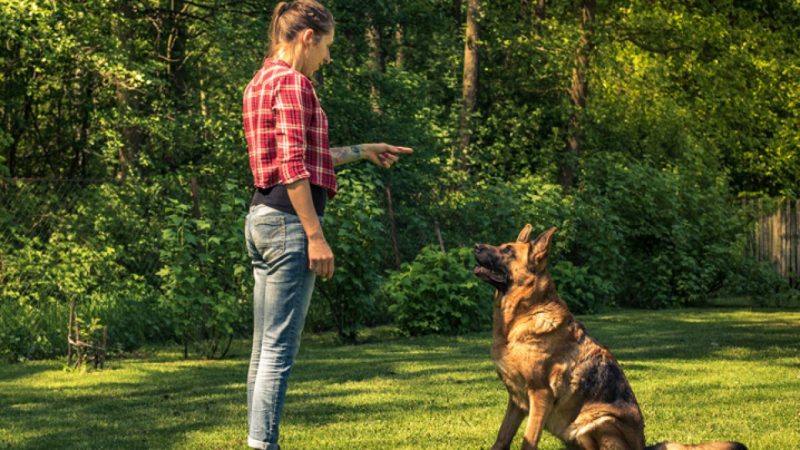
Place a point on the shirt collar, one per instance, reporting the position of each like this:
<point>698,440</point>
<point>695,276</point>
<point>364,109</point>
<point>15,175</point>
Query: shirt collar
<point>280,62</point>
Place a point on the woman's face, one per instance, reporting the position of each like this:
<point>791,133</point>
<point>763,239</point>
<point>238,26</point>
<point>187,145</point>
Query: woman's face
<point>318,53</point>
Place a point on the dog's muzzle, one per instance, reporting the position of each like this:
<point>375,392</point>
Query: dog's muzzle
<point>488,268</point>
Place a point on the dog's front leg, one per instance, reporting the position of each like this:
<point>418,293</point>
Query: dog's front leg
<point>541,401</point>
<point>509,427</point>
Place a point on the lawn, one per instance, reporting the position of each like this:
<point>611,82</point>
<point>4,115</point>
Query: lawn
<point>698,375</point>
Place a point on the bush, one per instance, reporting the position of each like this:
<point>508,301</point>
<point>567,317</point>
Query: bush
<point>206,298</point>
<point>438,293</point>
<point>493,211</point>
<point>759,281</point>
<point>72,254</point>
<point>354,228</point>
<point>663,238</point>
<point>584,292</point>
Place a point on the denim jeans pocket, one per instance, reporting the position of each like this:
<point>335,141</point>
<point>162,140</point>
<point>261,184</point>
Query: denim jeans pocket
<point>269,236</point>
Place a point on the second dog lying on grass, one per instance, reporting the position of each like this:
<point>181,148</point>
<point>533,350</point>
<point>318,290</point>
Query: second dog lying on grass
<point>553,370</point>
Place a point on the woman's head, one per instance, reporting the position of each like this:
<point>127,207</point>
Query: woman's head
<point>301,31</point>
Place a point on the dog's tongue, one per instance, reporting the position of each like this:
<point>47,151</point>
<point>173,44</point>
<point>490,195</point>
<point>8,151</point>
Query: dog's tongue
<point>478,270</point>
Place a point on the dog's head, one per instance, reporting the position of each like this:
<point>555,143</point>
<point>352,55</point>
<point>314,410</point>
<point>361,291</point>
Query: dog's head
<point>515,262</point>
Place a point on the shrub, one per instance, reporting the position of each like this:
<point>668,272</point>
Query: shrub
<point>759,281</point>
<point>354,228</point>
<point>584,292</point>
<point>72,254</point>
<point>204,277</point>
<point>437,293</point>
<point>662,237</point>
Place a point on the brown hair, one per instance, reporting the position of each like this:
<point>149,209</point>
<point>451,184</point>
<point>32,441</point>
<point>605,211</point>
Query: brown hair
<point>291,18</point>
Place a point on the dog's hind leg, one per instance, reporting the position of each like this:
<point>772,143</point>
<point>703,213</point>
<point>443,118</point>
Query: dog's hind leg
<point>509,427</point>
<point>607,434</point>
<point>613,442</point>
<point>586,442</point>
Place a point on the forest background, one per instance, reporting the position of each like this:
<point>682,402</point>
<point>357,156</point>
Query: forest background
<point>636,127</point>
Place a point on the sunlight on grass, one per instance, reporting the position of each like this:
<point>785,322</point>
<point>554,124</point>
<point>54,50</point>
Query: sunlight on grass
<point>698,375</point>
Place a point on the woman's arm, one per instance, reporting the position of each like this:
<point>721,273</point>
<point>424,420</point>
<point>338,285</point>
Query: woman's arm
<point>320,256</point>
<point>344,155</point>
<point>383,155</point>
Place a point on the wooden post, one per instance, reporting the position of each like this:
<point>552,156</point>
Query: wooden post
<point>69,332</point>
<point>439,236</point>
<point>776,240</point>
<point>796,243</point>
<point>195,198</point>
<point>392,226</point>
<point>785,249</point>
<point>78,348</point>
<point>203,332</point>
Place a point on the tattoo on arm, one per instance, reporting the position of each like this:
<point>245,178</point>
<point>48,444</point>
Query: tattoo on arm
<point>342,155</point>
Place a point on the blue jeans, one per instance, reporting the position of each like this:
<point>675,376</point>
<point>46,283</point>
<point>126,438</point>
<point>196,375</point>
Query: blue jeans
<point>278,249</point>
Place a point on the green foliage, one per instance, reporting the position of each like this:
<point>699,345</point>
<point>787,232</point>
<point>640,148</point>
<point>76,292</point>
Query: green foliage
<point>492,210</point>
<point>689,104</point>
<point>203,271</point>
<point>73,257</point>
<point>760,282</point>
<point>438,293</point>
<point>583,291</point>
<point>355,230</point>
<point>672,232</point>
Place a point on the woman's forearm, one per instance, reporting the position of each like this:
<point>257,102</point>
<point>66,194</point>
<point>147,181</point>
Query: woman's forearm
<point>343,155</point>
<point>300,196</point>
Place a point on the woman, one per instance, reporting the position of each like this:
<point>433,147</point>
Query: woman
<point>292,165</point>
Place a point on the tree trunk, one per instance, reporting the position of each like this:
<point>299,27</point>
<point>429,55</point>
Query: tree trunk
<point>539,14</point>
<point>470,83</point>
<point>376,65</point>
<point>578,93</point>
<point>127,99</point>
<point>456,13</point>
<point>176,54</point>
<point>78,168</point>
<point>400,55</point>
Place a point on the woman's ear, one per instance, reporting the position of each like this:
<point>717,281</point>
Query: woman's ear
<point>307,37</point>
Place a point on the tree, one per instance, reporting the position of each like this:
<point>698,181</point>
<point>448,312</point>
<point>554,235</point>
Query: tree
<point>469,91</point>
<point>579,90</point>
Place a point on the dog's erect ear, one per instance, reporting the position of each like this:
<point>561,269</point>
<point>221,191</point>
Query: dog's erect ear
<point>525,234</point>
<point>540,248</point>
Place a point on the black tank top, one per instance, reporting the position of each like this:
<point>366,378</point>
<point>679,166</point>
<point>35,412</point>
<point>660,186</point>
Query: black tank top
<point>278,197</point>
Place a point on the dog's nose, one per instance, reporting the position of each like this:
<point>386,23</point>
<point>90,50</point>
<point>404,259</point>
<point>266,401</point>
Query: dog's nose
<point>479,248</point>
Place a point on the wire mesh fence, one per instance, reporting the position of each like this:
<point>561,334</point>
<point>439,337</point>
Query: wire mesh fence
<point>109,265</point>
<point>84,264</point>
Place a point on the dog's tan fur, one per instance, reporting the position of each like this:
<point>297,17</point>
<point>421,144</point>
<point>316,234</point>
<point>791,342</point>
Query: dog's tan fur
<point>555,373</point>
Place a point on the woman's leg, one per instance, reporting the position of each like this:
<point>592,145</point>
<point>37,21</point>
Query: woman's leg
<point>282,291</point>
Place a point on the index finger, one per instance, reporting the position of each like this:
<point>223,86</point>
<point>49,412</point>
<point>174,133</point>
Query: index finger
<point>396,149</point>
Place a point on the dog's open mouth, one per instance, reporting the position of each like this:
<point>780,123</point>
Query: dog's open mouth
<point>486,269</point>
<point>487,274</point>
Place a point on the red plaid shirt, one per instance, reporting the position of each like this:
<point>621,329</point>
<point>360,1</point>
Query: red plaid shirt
<point>286,129</point>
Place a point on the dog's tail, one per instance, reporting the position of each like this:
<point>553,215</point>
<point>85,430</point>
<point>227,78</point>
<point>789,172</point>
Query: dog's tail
<point>706,446</point>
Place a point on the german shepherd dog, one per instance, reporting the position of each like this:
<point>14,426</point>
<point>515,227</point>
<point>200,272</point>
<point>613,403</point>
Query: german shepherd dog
<point>553,370</point>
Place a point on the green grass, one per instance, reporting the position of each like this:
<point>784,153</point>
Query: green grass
<point>698,375</point>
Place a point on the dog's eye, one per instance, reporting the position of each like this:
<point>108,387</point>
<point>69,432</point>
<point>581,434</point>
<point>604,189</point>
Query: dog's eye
<point>507,250</point>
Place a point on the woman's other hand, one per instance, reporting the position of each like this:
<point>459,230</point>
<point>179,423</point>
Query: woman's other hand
<point>384,155</point>
<point>320,257</point>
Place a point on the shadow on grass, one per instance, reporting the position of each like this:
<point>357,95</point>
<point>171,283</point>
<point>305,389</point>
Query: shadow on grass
<point>695,335</point>
<point>140,403</point>
<point>12,372</point>
<point>153,410</point>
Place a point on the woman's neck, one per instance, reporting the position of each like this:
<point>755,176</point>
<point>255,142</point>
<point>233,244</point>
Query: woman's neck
<point>290,56</point>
